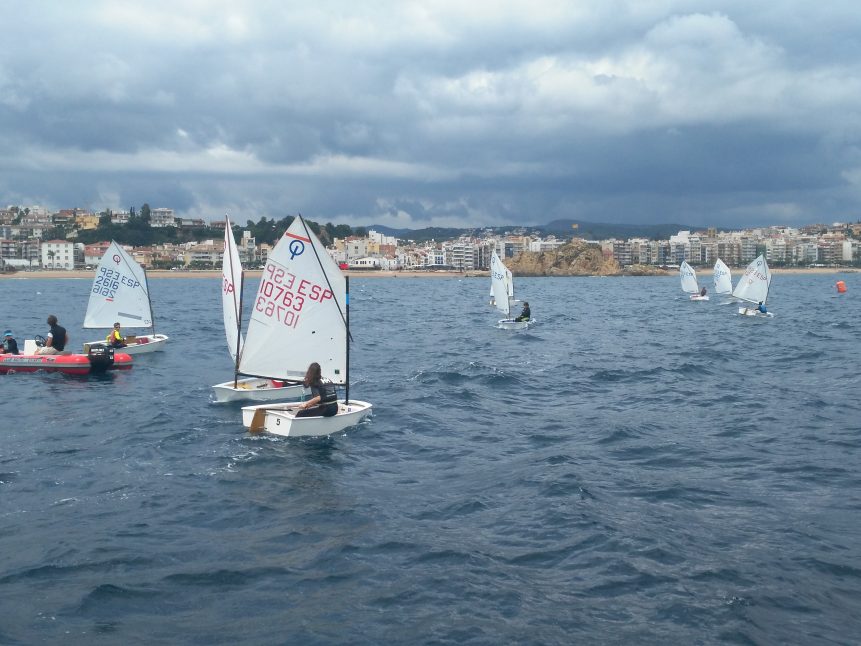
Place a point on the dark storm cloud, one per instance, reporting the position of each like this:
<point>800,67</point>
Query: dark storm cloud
<point>442,113</point>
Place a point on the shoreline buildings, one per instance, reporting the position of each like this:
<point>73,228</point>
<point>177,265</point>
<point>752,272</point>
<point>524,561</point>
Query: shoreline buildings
<point>24,245</point>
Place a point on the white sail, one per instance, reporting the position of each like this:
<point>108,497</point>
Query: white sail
<point>499,284</point>
<point>723,278</point>
<point>753,286</point>
<point>298,315</point>
<point>231,278</point>
<point>689,278</point>
<point>119,292</point>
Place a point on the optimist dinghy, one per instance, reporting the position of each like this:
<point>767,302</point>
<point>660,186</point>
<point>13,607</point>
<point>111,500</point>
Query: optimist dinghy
<point>245,388</point>
<point>753,287</point>
<point>301,315</point>
<point>689,282</point>
<point>502,285</point>
<point>120,293</point>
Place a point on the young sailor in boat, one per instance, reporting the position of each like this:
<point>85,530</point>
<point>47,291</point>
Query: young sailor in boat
<point>525,314</point>
<point>324,397</point>
<point>761,308</point>
<point>703,291</point>
<point>9,344</point>
<point>57,338</point>
<point>115,338</point>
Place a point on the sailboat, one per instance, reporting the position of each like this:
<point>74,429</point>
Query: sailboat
<point>753,287</point>
<point>689,282</point>
<point>120,294</point>
<point>723,278</point>
<point>247,388</point>
<point>502,286</point>
<point>301,315</point>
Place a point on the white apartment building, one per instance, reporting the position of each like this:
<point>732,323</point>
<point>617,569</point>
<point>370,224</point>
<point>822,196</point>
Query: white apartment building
<point>460,255</point>
<point>748,248</point>
<point>208,253</point>
<point>162,217</point>
<point>61,254</point>
<point>775,250</point>
<point>382,239</point>
<point>247,248</point>
<point>356,248</point>
<point>119,217</point>
<point>550,244</point>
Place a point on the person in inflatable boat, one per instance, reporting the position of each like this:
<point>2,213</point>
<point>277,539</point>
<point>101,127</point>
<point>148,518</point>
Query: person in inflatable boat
<point>9,344</point>
<point>57,338</point>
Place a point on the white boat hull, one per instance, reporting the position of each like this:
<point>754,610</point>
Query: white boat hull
<point>278,419</point>
<point>511,324</point>
<point>699,298</point>
<point>255,389</point>
<point>752,311</point>
<point>141,345</point>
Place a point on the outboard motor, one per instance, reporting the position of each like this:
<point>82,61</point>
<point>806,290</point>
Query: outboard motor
<point>101,357</point>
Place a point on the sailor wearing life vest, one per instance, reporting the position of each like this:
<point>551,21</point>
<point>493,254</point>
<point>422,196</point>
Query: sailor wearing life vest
<point>324,397</point>
<point>115,338</point>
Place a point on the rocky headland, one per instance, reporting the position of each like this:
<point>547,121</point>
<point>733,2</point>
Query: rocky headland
<point>577,258</point>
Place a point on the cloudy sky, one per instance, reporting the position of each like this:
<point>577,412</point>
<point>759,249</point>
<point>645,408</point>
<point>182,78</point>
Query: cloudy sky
<point>439,112</point>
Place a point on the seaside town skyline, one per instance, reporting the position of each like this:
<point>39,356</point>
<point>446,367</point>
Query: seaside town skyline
<point>24,246</point>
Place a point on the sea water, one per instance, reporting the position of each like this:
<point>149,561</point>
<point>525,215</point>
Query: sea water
<point>634,468</point>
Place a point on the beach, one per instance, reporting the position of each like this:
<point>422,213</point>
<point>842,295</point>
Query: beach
<point>255,273</point>
<point>210,273</point>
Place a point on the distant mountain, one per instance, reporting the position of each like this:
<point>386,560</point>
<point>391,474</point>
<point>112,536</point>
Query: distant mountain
<point>559,228</point>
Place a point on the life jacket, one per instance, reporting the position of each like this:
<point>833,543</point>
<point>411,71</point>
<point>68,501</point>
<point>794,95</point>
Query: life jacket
<point>328,394</point>
<point>114,337</point>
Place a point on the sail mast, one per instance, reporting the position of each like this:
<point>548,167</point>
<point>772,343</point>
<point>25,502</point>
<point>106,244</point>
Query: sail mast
<point>149,300</point>
<point>347,341</point>
<point>239,330</point>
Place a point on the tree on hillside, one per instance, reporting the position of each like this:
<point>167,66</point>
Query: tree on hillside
<point>145,214</point>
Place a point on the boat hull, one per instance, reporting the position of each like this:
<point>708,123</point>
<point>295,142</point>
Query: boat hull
<point>699,298</point>
<point>511,324</point>
<point>70,364</point>
<point>255,389</point>
<point>278,419</point>
<point>752,311</point>
<point>141,345</point>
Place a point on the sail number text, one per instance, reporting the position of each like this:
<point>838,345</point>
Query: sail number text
<point>282,297</point>
<point>108,281</point>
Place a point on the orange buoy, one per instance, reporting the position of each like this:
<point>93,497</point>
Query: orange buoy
<point>841,287</point>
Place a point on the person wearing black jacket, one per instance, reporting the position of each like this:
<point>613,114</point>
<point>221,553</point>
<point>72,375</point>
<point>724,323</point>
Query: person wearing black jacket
<point>525,315</point>
<point>10,345</point>
<point>57,338</point>
<point>324,397</point>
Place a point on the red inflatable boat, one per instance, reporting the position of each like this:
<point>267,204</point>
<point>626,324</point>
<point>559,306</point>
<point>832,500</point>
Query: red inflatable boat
<point>96,360</point>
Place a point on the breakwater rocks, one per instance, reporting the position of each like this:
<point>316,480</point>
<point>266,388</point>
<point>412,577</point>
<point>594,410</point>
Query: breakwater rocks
<point>576,258</point>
